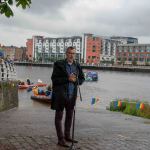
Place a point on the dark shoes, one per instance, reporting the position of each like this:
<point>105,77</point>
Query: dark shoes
<point>70,140</point>
<point>63,143</point>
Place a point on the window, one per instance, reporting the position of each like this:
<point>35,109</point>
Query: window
<point>120,49</point>
<point>148,59</point>
<point>125,49</point>
<point>94,38</point>
<point>142,50</point>
<point>130,55</point>
<point>130,49</point>
<point>141,59</point>
<point>94,48</point>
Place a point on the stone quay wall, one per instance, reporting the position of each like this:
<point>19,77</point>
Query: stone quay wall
<point>143,69</point>
<point>8,95</point>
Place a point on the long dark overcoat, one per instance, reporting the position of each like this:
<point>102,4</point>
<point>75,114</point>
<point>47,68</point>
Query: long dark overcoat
<point>60,84</point>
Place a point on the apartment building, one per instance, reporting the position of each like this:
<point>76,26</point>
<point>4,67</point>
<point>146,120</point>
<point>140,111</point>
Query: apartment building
<point>128,53</point>
<point>108,50</point>
<point>109,45</point>
<point>125,40</point>
<point>29,52</point>
<point>51,49</point>
<point>91,49</point>
<point>14,53</point>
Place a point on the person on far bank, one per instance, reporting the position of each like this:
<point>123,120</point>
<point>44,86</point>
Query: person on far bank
<point>66,76</point>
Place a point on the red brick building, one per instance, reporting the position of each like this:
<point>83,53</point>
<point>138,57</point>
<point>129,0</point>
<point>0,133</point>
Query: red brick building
<point>92,49</point>
<point>29,51</point>
<point>130,53</point>
<point>14,53</point>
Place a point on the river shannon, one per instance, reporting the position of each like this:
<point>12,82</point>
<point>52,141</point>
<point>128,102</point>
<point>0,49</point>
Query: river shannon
<point>110,85</point>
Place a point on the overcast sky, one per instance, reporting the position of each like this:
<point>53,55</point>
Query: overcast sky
<point>55,18</point>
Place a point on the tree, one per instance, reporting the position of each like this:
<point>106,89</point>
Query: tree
<point>112,61</point>
<point>134,62</point>
<point>5,6</point>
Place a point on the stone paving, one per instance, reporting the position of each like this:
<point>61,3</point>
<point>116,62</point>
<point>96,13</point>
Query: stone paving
<point>32,128</point>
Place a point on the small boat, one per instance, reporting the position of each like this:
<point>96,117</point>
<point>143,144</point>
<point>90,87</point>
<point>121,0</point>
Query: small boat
<point>42,98</point>
<point>91,76</point>
<point>25,86</point>
<point>40,84</point>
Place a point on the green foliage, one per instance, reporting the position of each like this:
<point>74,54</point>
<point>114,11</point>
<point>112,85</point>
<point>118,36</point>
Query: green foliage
<point>145,112</point>
<point>134,62</point>
<point>147,64</point>
<point>6,9</point>
<point>23,3</point>
<point>129,107</point>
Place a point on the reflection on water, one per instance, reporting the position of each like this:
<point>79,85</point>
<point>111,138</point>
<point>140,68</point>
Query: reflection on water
<point>110,85</point>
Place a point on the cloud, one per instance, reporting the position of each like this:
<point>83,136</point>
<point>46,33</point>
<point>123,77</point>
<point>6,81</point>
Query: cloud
<point>75,17</point>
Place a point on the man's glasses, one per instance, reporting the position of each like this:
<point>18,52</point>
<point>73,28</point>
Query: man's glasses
<point>71,53</point>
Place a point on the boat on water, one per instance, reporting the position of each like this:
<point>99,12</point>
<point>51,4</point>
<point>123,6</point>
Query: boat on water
<point>41,98</point>
<point>91,76</point>
<point>42,95</point>
<point>25,85</point>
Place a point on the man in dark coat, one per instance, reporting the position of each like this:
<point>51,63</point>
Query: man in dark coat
<point>67,75</point>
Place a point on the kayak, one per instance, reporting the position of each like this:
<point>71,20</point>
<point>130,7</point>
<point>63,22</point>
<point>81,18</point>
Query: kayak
<point>25,86</point>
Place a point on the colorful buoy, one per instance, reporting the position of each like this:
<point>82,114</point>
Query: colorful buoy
<point>138,105</point>
<point>115,104</point>
<point>119,103</point>
<point>142,106</point>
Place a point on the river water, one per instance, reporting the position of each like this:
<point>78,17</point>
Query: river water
<point>111,85</point>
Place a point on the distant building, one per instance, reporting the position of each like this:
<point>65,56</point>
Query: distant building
<point>125,40</point>
<point>129,53</point>
<point>109,45</point>
<point>108,52</point>
<point>9,51</point>
<point>13,52</point>
<point>29,51</point>
<point>20,53</point>
<point>91,49</point>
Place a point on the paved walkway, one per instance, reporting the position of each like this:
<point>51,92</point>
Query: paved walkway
<point>32,128</point>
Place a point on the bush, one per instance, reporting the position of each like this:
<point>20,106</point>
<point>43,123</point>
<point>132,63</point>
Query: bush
<point>145,112</point>
<point>132,107</point>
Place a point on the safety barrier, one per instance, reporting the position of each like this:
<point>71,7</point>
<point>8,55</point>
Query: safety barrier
<point>7,70</point>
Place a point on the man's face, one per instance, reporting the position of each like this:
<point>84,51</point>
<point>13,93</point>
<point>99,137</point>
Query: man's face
<point>70,55</point>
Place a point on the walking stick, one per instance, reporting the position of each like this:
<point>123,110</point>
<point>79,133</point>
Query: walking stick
<point>73,147</point>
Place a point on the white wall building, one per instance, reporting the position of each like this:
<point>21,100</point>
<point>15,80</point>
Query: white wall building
<point>108,50</point>
<point>109,45</point>
<point>52,49</point>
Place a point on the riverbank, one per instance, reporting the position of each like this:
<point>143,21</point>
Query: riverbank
<point>144,69</point>
<point>33,128</point>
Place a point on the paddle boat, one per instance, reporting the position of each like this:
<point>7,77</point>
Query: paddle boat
<point>41,95</point>
<point>42,98</point>
<point>91,76</point>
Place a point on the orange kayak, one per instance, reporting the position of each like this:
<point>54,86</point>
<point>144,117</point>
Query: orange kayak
<point>25,86</point>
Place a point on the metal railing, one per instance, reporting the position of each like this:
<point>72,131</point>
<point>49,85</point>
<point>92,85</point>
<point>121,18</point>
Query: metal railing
<point>7,71</point>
